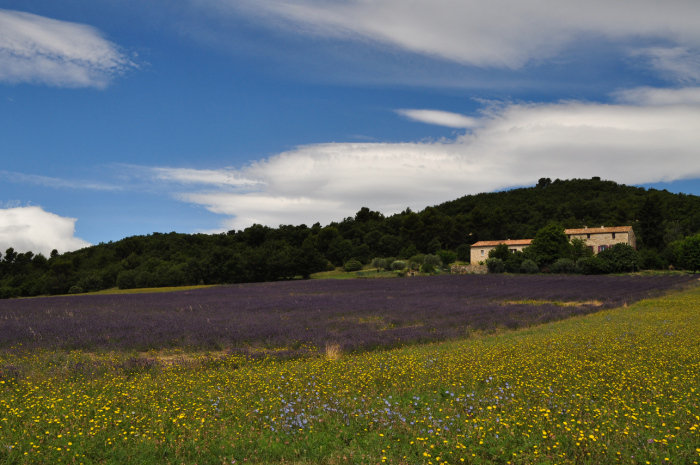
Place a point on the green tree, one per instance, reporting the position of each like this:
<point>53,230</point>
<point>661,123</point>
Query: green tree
<point>447,257</point>
<point>620,258</point>
<point>501,251</point>
<point>689,253</point>
<point>464,252</point>
<point>378,263</point>
<point>495,265</point>
<point>352,265</point>
<point>651,220</point>
<point>579,249</point>
<point>550,244</point>
<point>529,267</point>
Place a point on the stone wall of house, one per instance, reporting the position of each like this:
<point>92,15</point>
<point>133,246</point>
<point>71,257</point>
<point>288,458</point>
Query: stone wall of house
<point>477,257</point>
<point>599,239</point>
<point>469,269</point>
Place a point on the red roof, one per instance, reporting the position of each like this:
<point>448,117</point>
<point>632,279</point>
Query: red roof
<point>602,230</point>
<point>509,242</point>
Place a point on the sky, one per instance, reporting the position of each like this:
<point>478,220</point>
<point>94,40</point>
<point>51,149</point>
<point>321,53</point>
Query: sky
<point>124,117</point>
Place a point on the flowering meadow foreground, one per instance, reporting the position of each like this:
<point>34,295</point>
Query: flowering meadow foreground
<point>618,386</point>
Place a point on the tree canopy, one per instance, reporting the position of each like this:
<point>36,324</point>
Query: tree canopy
<point>260,253</point>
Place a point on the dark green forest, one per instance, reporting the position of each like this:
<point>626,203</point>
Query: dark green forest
<point>259,253</point>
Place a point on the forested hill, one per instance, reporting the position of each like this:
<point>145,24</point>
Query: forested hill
<point>259,253</point>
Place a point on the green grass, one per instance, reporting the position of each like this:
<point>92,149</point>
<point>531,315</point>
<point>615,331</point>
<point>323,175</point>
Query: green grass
<point>619,386</point>
<point>364,273</point>
<point>147,290</point>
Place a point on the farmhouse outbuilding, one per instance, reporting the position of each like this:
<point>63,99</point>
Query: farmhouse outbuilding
<point>597,239</point>
<point>480,250</point>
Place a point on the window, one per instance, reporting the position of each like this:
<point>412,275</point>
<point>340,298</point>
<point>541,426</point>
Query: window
<point>602,247</point>
<point>512,250</point>
<point>588,236</point>
<point>482,252</point>
<point>613,235</point>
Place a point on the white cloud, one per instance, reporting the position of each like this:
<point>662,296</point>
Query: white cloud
<point>440,118</point>
<point>191,176</point>
<point>48,181</point>
<point>676,63</point>
<point>497,33</point>
<point>511,145</point>
<point>42,50</point>
<point>33,229</point>
<point>654,96</point>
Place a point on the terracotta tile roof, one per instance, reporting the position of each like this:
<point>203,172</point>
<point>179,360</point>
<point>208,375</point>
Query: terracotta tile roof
<point>608,229</point>
<point>509,242</point>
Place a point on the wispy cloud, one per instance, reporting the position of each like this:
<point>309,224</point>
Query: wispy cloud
<point>48,181</point>
<point>34,229</point>
<point>509,145</point>
<point>439,118</point>
<point>655,96</point>
<point>497,33</point>
<point>230,177</point>
<point>41,50</point>
<point>679,64</point>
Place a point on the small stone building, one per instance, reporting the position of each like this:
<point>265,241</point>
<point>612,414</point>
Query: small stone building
<point>480,250</point>
<point>597,239</point>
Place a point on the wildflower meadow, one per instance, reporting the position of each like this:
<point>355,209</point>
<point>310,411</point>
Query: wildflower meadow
<point>621,385</point>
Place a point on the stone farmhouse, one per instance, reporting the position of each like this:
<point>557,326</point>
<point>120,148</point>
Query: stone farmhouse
<point>597,239</point>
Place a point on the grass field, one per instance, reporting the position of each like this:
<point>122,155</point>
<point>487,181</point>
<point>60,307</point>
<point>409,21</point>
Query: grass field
<point>618,386</point>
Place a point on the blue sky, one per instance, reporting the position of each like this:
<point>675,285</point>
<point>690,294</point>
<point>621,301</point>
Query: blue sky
<point>121,117</point>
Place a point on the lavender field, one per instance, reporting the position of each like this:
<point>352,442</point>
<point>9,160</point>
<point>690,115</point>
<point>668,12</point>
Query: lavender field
<point>295,317</point>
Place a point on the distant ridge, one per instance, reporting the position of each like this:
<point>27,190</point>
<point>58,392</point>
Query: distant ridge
<point>260,253</point>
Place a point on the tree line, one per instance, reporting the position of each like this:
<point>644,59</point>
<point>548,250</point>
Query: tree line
<point>661,221</point>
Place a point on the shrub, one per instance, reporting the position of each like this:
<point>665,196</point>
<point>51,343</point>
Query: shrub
<point>514,261</point>
<point>398,265</point>
<point>620,258</point>
<point>127,279</point>
<point>433,260</point>
<point>464,253</point>
<point>447,257</point>
<point>91,283</point>
<point>649,259</point>
<point>591,265</point>
<point>427,268</point>
<point>352,265</point>
<point>563,266</point>
<point>378,263</point>
<point>75,290</point>
<point>501,251</point>
<point>689,254</point>
<point>495,265</point>
<point>8,292</point>
<point>529,267</point>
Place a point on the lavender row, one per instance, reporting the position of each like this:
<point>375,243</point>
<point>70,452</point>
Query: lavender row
<point>360,314</point>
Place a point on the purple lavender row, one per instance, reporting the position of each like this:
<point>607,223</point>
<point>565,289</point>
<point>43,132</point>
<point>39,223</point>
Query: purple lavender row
<point>360,314</point>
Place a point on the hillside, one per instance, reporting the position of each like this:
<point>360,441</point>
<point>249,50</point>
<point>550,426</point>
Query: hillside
<point>260,253</point>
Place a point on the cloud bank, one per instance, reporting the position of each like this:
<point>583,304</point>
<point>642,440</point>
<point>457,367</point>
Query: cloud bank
<point>498,33</point>
<point>648,138</point>
<point>33,229</point>
<point>41,50</point>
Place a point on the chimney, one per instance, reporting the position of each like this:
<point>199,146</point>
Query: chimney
<point>602,227</point>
